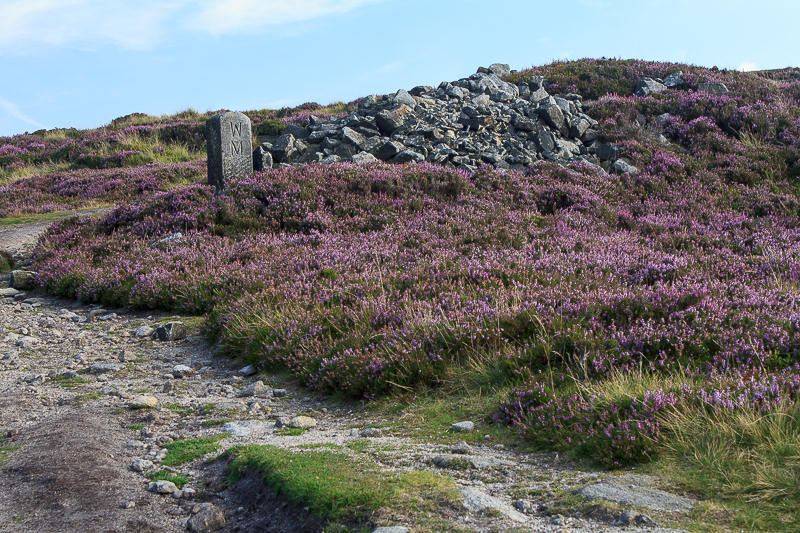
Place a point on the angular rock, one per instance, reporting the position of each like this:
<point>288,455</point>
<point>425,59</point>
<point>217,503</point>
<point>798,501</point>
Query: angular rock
<point>23,279</point>
<point>182,371</point>
<point>647,86</point>
<point>675,80</point>
<point>404,98</point>
<point>552,115</point>
<point>388,121</point>
<point>478,501</point>
<point>103,368</point>
<point>207,520</point>
<point>283,149</point>
<point>171,331</point>
<point>463,427</point>
<point>255,389</point>
<point>622,490</point>
<point>248,370</point>
<point>143,402</point>
<point>353,137</point>
<point>7,292</point>
<point>262,159</point>
<point>141,465</point>
<point>712,87</point>
<point>621,166</point>
<point>301,421</point>
<point>364,157</point>
<point>500,69</point>
<point>162,487</point>
<point>407,156</point>
<point>243,428</point>
<point>144,331</point>
<point>389,149</point>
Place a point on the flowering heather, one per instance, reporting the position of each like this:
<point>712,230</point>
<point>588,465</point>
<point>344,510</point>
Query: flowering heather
<point>81,188</point>
<point>363,279</point>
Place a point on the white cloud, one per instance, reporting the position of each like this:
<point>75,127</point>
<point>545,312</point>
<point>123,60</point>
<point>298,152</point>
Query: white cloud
<point>87,24</point>
<point>231,16</point>
<point>11,109</point>
<point>747,66</point>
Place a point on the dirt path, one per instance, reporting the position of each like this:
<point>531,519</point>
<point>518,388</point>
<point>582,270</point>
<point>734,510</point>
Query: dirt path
<point>72,443</point>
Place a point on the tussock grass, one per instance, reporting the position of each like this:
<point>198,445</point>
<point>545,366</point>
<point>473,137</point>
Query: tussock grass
<point>744,460</point>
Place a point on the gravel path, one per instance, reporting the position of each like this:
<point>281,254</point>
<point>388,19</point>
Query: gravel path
<point>70,374</point>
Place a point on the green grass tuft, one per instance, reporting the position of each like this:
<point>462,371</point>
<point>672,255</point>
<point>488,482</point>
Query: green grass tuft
<point>335,487</point>
<point>183,451</point>
<point>179,479</point>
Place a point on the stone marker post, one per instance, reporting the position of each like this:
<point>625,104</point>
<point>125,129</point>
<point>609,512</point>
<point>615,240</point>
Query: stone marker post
<point>229,147</point>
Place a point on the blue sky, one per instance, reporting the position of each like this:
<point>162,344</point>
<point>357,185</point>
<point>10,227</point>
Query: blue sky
<point>82,63</point>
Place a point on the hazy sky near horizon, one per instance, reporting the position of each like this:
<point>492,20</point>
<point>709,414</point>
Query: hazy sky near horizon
<point>82,63</point>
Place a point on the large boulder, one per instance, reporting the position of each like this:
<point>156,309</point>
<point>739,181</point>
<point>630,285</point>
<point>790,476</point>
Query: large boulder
<point>648,86</point>
<point>712,87</point>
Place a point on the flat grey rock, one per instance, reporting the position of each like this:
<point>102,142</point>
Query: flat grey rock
<point>243,428</point>
<point>626,491</point>
<point>476,501</point>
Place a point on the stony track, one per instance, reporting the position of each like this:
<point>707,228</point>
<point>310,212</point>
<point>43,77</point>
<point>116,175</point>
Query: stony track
<point>75,449</point>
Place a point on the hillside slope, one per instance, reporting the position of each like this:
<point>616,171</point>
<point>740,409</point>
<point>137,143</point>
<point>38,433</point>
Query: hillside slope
<point>633,300</point>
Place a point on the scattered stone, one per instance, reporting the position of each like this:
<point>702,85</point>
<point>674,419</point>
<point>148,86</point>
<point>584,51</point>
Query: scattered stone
<point>248,370</point>
<point>461,448</point>
<point>370,432</point>
<point>171,331</point>
<point>143,331</point>
<point>675,81</point>
<point>229,148</point>
<point>128,505</point>
<point>279,393</point>
<point>143,402</point>
<point>478,501</point>
<point>166,240</point>
<point>103,368</point>
<point>23,279</point>
<point>243,428</point>
<point>162,487</point>
<point>391,529</point>
<point>209,519</point>
<point>647,86</point>
<point>523,506</point>
<point>141,465</point>
<point>301,422</point>
<point>463,427</point>
<point>712,87</point>
<point>262,159</point>
<point>182,371</point>
<point>256,389</point>
<point>625,491</point>
<point>621,166</point>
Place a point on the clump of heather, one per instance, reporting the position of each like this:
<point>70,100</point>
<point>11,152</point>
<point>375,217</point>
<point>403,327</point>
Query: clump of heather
<point>81,188</point>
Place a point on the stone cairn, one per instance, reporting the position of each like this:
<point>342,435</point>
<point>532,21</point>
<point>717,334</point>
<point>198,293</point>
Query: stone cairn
<point>463,124</point>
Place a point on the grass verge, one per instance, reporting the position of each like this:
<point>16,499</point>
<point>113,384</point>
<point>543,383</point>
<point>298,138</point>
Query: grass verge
<point>342,491</point>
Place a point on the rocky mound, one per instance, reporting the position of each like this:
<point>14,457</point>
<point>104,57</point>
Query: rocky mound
<point>465,123</point>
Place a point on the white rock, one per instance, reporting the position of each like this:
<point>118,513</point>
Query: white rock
<point>141,465</point>
<point>162,487</point>
<point>463,427</point>
<point>144,331</point>
<point>181,371</point>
